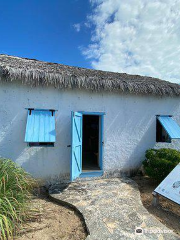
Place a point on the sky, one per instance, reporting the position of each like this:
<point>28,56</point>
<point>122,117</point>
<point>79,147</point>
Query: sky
<point>132,36</point>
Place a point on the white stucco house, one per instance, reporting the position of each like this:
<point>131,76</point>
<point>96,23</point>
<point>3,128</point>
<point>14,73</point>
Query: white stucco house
<point>61,122</point>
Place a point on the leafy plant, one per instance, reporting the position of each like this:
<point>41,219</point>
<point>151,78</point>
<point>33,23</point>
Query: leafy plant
<point>15,194</point>
<point>159,163</point>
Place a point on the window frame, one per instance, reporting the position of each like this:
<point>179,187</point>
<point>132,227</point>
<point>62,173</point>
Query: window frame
<point>160,131</point>
<point>40,144</point>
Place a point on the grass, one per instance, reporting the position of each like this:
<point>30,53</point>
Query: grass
<point>15,195</point>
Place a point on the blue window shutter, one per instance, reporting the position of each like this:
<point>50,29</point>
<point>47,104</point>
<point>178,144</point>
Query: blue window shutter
<point>170,126</point>
<point>40,126</point>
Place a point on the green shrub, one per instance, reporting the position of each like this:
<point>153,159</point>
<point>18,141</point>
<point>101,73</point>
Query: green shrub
<point>159,163</point>
<point>15,188</point>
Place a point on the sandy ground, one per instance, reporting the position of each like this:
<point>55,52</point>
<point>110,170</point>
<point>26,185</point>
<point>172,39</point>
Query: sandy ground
<point>53,222</point>
<point>168,212</point>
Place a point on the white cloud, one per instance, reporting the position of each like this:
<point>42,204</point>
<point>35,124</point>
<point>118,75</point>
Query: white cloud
<point>137,37</point>
<point>77,27</point>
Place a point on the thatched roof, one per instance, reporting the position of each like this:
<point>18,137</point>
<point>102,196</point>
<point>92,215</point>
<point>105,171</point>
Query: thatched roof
<point>33,72</point>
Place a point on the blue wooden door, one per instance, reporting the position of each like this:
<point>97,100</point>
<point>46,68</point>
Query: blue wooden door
<point>76,146</point>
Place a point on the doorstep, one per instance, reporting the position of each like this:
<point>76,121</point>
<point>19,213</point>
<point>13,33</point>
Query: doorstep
<point>97,173</point>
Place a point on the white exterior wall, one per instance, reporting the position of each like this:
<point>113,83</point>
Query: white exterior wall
<point>175,144</point>
<point>129,126</point>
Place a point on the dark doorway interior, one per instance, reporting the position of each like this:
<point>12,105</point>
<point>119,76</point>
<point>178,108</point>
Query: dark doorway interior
<point>90,146</point>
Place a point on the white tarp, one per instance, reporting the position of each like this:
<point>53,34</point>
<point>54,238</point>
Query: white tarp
<point>170,186</point>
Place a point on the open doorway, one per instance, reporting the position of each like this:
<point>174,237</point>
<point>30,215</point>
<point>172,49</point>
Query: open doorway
<point>90,143</point>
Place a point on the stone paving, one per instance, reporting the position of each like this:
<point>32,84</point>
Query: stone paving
<point>112,209</point>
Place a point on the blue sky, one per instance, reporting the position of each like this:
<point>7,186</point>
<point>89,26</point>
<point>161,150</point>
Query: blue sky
<point>133,36</point>
<point>44,29</point>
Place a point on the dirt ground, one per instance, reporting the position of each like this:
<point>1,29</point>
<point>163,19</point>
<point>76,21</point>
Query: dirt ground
<point>168,212</point>
<point>53,222</point>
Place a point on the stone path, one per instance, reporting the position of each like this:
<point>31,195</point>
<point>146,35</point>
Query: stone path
<point>112,209</point>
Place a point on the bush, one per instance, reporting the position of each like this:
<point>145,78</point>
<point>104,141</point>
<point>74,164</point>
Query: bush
<point>15,188</point>
<point>159,163</point>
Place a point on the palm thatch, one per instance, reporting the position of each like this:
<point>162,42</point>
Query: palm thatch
<point>33,72</point>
